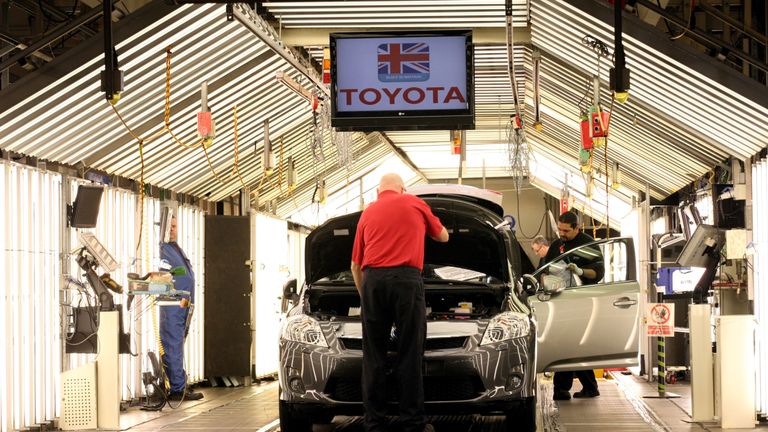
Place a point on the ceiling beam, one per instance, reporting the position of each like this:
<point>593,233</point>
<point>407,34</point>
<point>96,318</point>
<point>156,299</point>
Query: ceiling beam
<point>319,36</point>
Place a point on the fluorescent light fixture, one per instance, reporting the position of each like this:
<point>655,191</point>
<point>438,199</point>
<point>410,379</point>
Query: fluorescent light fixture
<point>286,80</point>
<point>267,157</point>
<point>291,173</point>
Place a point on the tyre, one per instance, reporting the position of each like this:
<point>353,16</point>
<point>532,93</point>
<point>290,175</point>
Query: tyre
<point>290,421</point>
<point>522,418</point>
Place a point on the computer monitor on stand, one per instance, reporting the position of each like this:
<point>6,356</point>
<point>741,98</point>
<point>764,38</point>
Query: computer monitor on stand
<point>91,256</point>
<point>703,250</point>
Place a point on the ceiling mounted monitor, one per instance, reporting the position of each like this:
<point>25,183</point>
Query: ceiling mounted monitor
<point>417,80</point>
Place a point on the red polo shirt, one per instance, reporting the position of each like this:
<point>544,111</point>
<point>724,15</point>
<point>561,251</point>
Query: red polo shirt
<point>391,231</point>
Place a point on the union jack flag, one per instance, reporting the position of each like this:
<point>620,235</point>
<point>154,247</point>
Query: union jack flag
<point>403,62</point>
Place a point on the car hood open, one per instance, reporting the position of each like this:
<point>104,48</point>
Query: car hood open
<point>474,243</point>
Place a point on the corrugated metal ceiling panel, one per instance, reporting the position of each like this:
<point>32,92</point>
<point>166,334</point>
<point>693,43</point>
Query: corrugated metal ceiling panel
<point>240,71</point>
<point>486,145</point>
<point>677,119</point>
<point>660,135</point>
<point>423,14</point>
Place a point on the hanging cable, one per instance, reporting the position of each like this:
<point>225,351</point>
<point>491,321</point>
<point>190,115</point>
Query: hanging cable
<point>518,149</point>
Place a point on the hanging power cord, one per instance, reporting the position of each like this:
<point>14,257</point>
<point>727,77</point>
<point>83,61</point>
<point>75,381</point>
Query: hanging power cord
<point>236,166</point>
<point>541,223</point>
<point>166,128</point>
<point>601,50</point>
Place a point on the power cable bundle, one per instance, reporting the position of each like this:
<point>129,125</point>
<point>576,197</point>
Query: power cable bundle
<point>519,151</point>
<point>343,143</point>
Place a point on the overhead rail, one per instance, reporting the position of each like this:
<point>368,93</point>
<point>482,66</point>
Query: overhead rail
<point>256,24</point>
<point>709,40</point>
<point>55,34</point>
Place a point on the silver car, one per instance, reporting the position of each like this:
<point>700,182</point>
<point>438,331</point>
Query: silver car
<point>489,329</point>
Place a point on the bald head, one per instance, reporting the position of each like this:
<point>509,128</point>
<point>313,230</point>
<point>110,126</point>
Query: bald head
<point>391,182</point>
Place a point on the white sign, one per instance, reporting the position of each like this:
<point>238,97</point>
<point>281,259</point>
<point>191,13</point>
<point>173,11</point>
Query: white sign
<point>660,319</point>
<point>401,73</point>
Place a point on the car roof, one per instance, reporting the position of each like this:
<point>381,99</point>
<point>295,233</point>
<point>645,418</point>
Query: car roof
<point>487,198</point>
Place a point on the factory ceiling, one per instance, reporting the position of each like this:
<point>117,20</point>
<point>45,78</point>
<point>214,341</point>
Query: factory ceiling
<point>686,112</point>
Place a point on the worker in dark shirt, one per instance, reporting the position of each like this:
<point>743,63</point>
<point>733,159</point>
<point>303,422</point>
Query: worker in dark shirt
<point>387,259</point>
<point>589,267</point>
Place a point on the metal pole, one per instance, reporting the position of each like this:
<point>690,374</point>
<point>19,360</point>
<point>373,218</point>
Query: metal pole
<point>661,357</point>
<point>109,56</point>
<point>661,364</point>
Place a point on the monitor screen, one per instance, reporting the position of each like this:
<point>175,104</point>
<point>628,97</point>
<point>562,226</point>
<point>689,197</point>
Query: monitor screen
<point>705,241</point>
<point>85,210</point>
<point>402,80</point>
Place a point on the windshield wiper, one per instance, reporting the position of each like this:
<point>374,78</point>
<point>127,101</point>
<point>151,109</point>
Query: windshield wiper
<point>452,282</point>
<point>335,282</point>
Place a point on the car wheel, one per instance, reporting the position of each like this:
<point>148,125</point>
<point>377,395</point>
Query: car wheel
<point>522,418</point>
<point>290,421</point>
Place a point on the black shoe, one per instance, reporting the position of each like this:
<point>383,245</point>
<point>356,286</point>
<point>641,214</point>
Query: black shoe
<point>561,395</point>
<point>586,394</point>
<point>188,396</point>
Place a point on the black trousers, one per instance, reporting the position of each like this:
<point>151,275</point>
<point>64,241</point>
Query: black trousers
<point>564,380</point>
<point>393,295</point>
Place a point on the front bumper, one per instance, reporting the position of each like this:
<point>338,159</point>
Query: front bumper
<point>470,379</point>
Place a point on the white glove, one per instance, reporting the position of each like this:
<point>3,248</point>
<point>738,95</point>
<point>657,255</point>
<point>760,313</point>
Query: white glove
<point>575,269</point>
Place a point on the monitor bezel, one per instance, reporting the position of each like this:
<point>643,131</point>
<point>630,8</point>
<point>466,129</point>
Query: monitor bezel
<point>78,206</point>
<point>389,120</point>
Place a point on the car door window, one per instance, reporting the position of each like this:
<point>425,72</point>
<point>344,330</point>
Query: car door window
<point>609,259</point>
<point>615,260</point>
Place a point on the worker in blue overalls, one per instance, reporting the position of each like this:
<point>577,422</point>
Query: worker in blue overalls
<point>173,319</point>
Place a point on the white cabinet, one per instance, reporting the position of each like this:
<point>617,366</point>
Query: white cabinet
<point>735,371</point>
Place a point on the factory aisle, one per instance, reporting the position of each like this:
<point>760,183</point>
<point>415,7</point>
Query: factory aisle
<point>621,406</point>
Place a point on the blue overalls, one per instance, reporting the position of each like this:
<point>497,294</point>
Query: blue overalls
<point>173,319</point>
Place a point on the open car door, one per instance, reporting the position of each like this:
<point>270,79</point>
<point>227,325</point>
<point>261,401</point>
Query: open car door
<point>588,326</point>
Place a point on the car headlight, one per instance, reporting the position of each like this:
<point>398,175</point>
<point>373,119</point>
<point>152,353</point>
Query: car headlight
<point>506,325</point>
<point>303,329</point>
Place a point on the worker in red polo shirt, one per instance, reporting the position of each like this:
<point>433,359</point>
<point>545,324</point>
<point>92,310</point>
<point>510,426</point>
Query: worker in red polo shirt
<point>387,259</point>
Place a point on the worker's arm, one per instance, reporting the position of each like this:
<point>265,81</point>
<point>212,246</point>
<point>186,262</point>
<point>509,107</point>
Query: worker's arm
<point>590,274</point>
<point>442,237</point>
<point>357,275</point>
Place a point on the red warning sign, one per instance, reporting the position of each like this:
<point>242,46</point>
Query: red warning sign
<point>660,319</point>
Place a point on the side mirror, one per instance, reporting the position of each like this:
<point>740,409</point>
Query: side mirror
<point>290,294</point>
<point>552,285</point>
<point>530,284</point>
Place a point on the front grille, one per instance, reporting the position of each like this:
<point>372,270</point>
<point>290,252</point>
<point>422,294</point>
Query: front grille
<point>431,344</point>
<point>436,388</point>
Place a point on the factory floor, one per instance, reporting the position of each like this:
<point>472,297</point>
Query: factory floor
<point>620,407</point>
